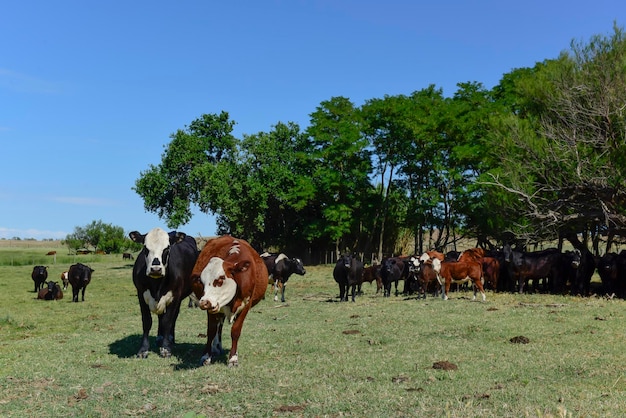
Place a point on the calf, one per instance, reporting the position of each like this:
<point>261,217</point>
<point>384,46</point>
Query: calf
<point>51,292</point>
<point>348,273</point>
<point>79,276</point>
<point>280,268</point>
<point>370,274</point>
<point>229,278</point>
<point>162,277</point>
<point>65,279</point>
<point>39,276</point>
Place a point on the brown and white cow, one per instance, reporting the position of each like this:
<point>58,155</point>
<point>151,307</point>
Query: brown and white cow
<point>459,272</point>
<point>65,278</point>
<point>228,279</point>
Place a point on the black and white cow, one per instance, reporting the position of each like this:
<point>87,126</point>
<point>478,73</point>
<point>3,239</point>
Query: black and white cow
<point>39,276</point>
<point>348,273</point>
<point>280,268</point>
<point>161,275</point>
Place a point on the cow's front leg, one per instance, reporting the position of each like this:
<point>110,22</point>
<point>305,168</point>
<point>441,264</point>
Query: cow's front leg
<point>235,333</point>
<point>213,346</point>
<point>146,320</point>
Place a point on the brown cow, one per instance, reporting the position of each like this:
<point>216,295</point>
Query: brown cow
<point>370,274</point>
<point>228,279</point>
<point>460,272</point>
<point>51,292</point>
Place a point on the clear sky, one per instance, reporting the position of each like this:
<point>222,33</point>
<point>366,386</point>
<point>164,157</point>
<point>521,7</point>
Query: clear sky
<point>92,90</point>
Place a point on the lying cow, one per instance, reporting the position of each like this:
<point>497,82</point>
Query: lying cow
<point>280,268</point>
<point>79,276</point>
<point>39,276</point>
<point>162,277</point>
<point>51,292</point>
<point>229,278</point>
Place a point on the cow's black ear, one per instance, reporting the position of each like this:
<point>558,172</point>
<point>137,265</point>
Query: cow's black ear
<point>176,237</point>
<point>137,237</point>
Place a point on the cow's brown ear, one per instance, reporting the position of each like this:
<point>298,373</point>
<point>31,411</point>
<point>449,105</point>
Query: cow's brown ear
<point>242,265</point>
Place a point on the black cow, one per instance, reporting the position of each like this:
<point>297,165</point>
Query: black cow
<point>612,270</point>
<point>569,262</point>
<point>534,265</point>
<point>582,282</point>
<point>280,268</point>
<point>127,256</point>
<point>392,270</point>
<point>79,276</point>
<point>162,277</point>
<point>348,273</point>
<point>39,275</point>
<point>52,292</point>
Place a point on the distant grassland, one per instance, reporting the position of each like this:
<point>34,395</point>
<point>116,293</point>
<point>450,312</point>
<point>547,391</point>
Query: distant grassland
<point>309,357</point>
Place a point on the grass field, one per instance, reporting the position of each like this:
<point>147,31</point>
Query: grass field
<point>312,356</point>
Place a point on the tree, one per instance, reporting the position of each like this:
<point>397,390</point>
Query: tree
<point>99,236</point>
<point>566,152</point>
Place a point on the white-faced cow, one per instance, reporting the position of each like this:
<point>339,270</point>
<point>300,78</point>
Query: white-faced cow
<point>162,277</point>
<point>65,279</point>
<point>39,276</point>
<point>79,276</point>
<point>229,278</point>
<point>280,268</point>
<point>348,273</point>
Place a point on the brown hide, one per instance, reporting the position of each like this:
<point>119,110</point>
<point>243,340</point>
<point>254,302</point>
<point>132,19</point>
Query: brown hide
<point>491,272</point>
<point>248,270</point>
<point>460,271</point>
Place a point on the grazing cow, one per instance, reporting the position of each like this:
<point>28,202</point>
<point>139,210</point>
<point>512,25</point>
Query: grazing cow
<point>162,277</point>
<point>39,275</point>
<point>51,292</point>
<point>612,270</point>
<point>51,253</point>
<point>393,269</point>
<point>280,268</point>
<point>370,274</point>
<point>79,276</point>
<point>127,256</point>
<point>459,272</point>
<point>348,273</point>
<point>65,279</point>
<point>229,278</point>
<point>535,265</point>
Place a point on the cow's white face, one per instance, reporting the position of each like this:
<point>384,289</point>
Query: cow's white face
<point>219,289</point>
<point>157,243</point>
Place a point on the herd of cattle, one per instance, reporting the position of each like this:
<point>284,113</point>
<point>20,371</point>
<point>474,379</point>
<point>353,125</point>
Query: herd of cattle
<point>228,277</point>
<point>549,271</point>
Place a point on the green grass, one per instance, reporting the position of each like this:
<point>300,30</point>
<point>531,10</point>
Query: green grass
<point>311,356</point>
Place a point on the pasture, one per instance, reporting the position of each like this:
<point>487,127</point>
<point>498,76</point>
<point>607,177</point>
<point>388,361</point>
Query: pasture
<point>310,356</point>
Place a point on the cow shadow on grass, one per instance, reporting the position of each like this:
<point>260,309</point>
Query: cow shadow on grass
<point>187,354</point>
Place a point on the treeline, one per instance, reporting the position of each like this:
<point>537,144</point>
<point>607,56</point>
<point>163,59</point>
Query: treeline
<point>541,156</point>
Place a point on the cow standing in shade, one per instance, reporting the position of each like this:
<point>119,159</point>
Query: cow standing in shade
<point>229,278</point>
<point>79,276</point>
<point>39,276</point>
<point>162,277</point>
<point>280,268</point>
<point>348,273</point>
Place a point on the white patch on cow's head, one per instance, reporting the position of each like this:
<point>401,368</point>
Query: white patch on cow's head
<point>219,289</point>
<point>424,257</point>
<point>281,256</point>
<point>157,241</point>
<point>436,265</point>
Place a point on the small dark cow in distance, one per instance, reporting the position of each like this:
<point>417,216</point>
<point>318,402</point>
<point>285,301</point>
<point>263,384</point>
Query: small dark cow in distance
<point>51,292</point>
<point>127,256</point>
<point>65,279</point>
<point>394,269</point>
<point>525,266</point>
<point>79,276</point>
<point>612,270</point>
<point>348,273</point>
<point>39,275</point>
<point>229,278</point>
<point>51,253</point>
<point>280,268</point>
<point>162,277</point>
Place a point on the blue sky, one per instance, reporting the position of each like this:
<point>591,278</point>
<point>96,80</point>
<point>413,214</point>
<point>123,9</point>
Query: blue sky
<point>91,91</point>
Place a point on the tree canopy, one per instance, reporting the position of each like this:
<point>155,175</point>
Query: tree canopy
<point>540,156</point>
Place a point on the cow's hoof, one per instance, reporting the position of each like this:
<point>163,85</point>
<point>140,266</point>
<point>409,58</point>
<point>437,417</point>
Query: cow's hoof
<point>233,361</point>
<point>165,352</point>
<point>142,354</point>
<point>205,360</point>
